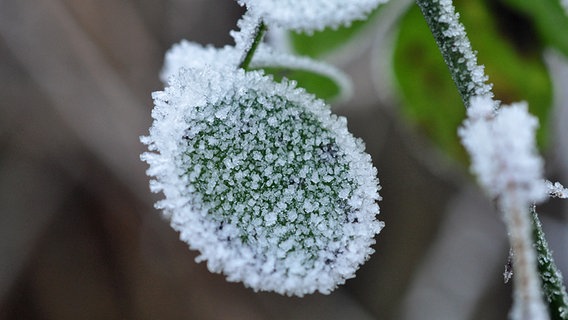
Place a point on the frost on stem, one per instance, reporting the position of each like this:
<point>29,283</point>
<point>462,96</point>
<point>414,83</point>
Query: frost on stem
<point>552,280</point>
<point>260,177</point>
<point>502,147</point>
<point>456,49</point>
<point>310,15</point>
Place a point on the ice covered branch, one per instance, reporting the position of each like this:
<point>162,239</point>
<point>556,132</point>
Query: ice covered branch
<point>456,49</point>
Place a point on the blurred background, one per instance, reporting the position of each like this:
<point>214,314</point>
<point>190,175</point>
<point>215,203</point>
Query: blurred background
<point>79,236</point>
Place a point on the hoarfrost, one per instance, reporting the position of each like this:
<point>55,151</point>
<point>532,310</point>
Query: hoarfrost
<point>310,15</point>
<point>259,176</point>
<point>451,36</point>
<point>267,57</point>
<point>556,190</point>
<point>502,148</point>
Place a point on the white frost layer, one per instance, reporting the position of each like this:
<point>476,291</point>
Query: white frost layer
<point>456,31</point>
<point>503,149</point>
<point>267,57</point>
<point>188,54</point>
<point>248,194</point>
<point>310,15</point>
<point>556,190</point>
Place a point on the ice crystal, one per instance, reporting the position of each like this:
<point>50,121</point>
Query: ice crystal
<point>456,48</point>
<point>266,56</point>
<point>502,148</point>
<point>188,54</point>
<point>310,15</point>
<point>259,176</point>
<point>556,190</point>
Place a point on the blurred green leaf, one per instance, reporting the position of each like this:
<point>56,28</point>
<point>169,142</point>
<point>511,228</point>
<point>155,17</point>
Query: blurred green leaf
<point>321,43</point>
<point>318,84</point>
<point>430,98</point>
<point>549,18</point>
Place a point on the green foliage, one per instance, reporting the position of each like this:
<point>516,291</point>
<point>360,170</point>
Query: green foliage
<point>430,98</point>
<point>552,284</point>
<point>318,84</point>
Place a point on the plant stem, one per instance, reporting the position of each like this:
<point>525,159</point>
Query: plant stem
<point>456,49</point>
<point>528,301</point>
<point>470,80</point>
<point>259,34</point>
<point>552,282</point>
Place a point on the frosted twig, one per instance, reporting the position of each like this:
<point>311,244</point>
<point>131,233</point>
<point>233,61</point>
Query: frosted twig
<point>456,49</point>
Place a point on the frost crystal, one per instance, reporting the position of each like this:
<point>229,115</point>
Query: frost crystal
<point>310,15</point>
<point>191,55</point>
<point>502,149</point>
<point>266,56</point>
<point>556,190</point>
<point>259,176</point>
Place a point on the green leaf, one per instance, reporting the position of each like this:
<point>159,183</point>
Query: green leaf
<point>321,43</point>
<point>552,283</point>
<point>430,98</point>
<point>322,86</point>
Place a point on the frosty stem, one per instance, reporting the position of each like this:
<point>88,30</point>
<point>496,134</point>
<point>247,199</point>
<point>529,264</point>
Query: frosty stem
<point>470,80</point>
<point>259,34</point>
<point>552,283</point>
<point>455,47</point>
<point>527,299</point>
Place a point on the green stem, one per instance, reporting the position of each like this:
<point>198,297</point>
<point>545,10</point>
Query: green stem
<point>455,47</point>
<point>552,283</point>
<point>260,31</point>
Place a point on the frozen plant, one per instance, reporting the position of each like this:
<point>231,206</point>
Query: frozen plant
<point>258,175</point>
<point>273,191</point>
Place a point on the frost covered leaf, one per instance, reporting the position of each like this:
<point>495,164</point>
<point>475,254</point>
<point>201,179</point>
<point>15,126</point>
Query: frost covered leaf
<point>262,179</point>
<point>187,54</point>
<point>318,78</point>
<point>320,44</point>
<point>310,15</point>
<point>552,280</point>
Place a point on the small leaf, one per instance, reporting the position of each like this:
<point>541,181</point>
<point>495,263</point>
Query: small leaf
<point>261,179</point>
<point>552,280</point>
<point>311,15</point>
